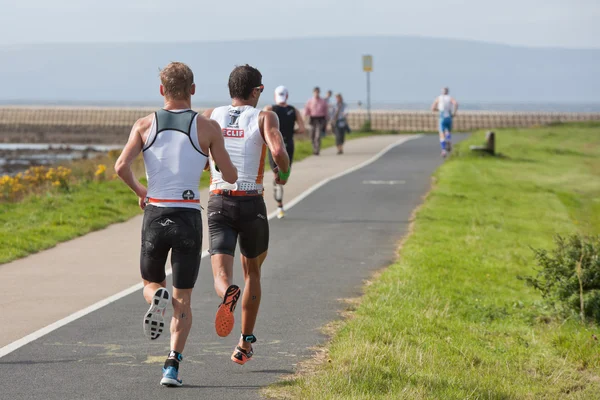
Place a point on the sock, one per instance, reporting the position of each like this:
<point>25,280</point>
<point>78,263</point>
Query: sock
<point>173,359</point>
<point>443,144</point>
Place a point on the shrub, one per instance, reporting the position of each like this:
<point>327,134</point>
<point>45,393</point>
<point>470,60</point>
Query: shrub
<point>366,126</point>
<point>569,278</point>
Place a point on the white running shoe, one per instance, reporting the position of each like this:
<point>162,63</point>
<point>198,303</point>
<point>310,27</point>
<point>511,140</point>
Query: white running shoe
<point>280,213</point>
<point>154,318</point>
<point>444,153</point>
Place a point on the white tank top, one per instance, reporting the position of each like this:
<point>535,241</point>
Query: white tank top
<point>445,105</point>
<point>174,160</point>
<point>245,145</point>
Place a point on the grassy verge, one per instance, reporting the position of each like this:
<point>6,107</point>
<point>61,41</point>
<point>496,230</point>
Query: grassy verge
<point>38,222</point>
<point>450,320</point>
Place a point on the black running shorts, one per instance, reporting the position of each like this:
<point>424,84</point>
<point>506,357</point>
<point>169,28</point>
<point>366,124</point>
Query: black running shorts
<point>290,150</point>
<point>179,230</point>
<point>233,217</point>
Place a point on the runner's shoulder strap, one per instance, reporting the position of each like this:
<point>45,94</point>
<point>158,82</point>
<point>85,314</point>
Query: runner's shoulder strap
<point>174,121</point>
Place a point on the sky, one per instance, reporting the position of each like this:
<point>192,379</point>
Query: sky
<point>547,23</point>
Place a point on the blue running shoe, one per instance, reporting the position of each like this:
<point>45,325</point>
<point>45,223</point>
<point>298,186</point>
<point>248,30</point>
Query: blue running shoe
<point>171,377</point>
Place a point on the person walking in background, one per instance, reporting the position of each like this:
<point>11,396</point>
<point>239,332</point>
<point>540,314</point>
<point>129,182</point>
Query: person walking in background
<point>288,118</point>
<point>447,106</point>
<point>316,110</point>
<point>327,98</point>
<point>339,123</point>
<point>175,142</point>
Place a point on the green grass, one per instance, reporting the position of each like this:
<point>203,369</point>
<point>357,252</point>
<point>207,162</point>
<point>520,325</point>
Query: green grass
<point>450,319</point>
<point>40,222</point>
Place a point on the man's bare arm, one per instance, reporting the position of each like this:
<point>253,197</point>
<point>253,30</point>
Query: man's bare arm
<point>434,105</point>
<point>131,150</point>
<point>220,154</point>
<point>208,112</point>
<point>275,143</point>
<point>268,108</point>
<point>455,104</point>
<point>300,121</point>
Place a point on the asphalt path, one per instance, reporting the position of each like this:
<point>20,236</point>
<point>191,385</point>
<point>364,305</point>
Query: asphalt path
<point>320,254</point>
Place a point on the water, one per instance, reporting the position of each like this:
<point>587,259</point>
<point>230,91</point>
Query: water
<point>17,157</point>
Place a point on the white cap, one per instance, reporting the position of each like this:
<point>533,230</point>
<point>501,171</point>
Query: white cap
<point>281,94</point>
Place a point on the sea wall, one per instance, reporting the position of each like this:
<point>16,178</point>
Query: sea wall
<point>103,125</point>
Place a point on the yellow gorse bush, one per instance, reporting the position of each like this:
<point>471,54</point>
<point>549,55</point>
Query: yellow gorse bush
<point>37,180</point>
<point>100,172</point>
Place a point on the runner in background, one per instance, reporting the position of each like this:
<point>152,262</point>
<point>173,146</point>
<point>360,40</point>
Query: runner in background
<point>447,106</point>
<point>288,118</point>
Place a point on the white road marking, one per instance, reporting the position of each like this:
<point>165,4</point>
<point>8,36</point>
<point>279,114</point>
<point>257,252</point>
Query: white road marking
<point>384,182</point>
<point>9,348</point>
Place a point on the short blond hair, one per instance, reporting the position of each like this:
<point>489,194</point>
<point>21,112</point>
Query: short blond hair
<point>177,80</point>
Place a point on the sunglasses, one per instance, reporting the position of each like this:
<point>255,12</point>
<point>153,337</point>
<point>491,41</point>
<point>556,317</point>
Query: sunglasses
<point>261,88</point>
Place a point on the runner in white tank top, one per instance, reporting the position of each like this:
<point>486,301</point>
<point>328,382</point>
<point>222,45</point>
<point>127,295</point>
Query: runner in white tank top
<point>238,211</point>
<point>175,142</point>
<point>246,147</point>
<point>447,108</point>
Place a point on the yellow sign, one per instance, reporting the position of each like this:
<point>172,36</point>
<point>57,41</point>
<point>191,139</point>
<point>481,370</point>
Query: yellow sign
<point>367,63</point>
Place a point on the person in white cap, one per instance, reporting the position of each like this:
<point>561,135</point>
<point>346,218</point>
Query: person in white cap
<point>288,118</point>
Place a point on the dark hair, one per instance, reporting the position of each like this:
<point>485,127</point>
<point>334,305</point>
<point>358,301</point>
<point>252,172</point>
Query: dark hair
<point>316,88</point>
<point>242,80</point>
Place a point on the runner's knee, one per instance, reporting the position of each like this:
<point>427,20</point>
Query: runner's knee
<point>182,300</point>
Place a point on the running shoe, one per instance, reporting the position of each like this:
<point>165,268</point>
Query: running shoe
<point>280,212</point>
<point>449,146</point>
<point>241,356</point>
<point>444,153</point>
<point>154,318</point>
<point>224,320</point>
<point>171,377</point>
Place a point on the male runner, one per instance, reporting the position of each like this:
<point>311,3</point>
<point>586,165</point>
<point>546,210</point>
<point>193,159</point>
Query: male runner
<point>447,107</point>
<point>288,118</point>
<point>175,142</point>
<point>238,211</point>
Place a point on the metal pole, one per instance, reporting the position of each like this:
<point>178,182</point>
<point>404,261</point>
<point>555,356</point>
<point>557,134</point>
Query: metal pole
<point>369,96</point>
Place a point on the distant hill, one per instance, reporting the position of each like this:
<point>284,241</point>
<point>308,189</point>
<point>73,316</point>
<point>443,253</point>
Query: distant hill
<point>406,69</point>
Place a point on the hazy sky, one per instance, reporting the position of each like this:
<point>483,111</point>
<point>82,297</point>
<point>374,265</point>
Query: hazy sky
<point>563,23</point>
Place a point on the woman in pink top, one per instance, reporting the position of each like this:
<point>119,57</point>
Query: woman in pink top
<point>316,108</point>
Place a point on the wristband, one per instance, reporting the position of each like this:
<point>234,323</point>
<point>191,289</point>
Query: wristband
<point>284,175</point>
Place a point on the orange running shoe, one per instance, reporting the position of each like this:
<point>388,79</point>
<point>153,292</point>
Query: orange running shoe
<point>241,356</point>
<point>224,319</point>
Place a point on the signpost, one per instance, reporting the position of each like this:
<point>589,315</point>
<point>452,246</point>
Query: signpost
<point>368,67</point>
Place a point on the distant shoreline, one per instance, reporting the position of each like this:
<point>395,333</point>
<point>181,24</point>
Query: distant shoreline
<point>352,105</point>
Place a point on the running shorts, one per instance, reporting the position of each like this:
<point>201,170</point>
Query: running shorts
<point>179,230</point>
<point>445,124</point>
<point>233,218</point>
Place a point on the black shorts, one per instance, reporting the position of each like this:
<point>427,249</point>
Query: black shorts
<point>289,147</point>
<point>233,217</point>
<point>179,230</point>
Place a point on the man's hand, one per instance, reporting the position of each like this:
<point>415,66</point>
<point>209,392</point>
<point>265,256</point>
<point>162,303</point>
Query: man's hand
<point>278,179</point>
<point>142,194</point>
